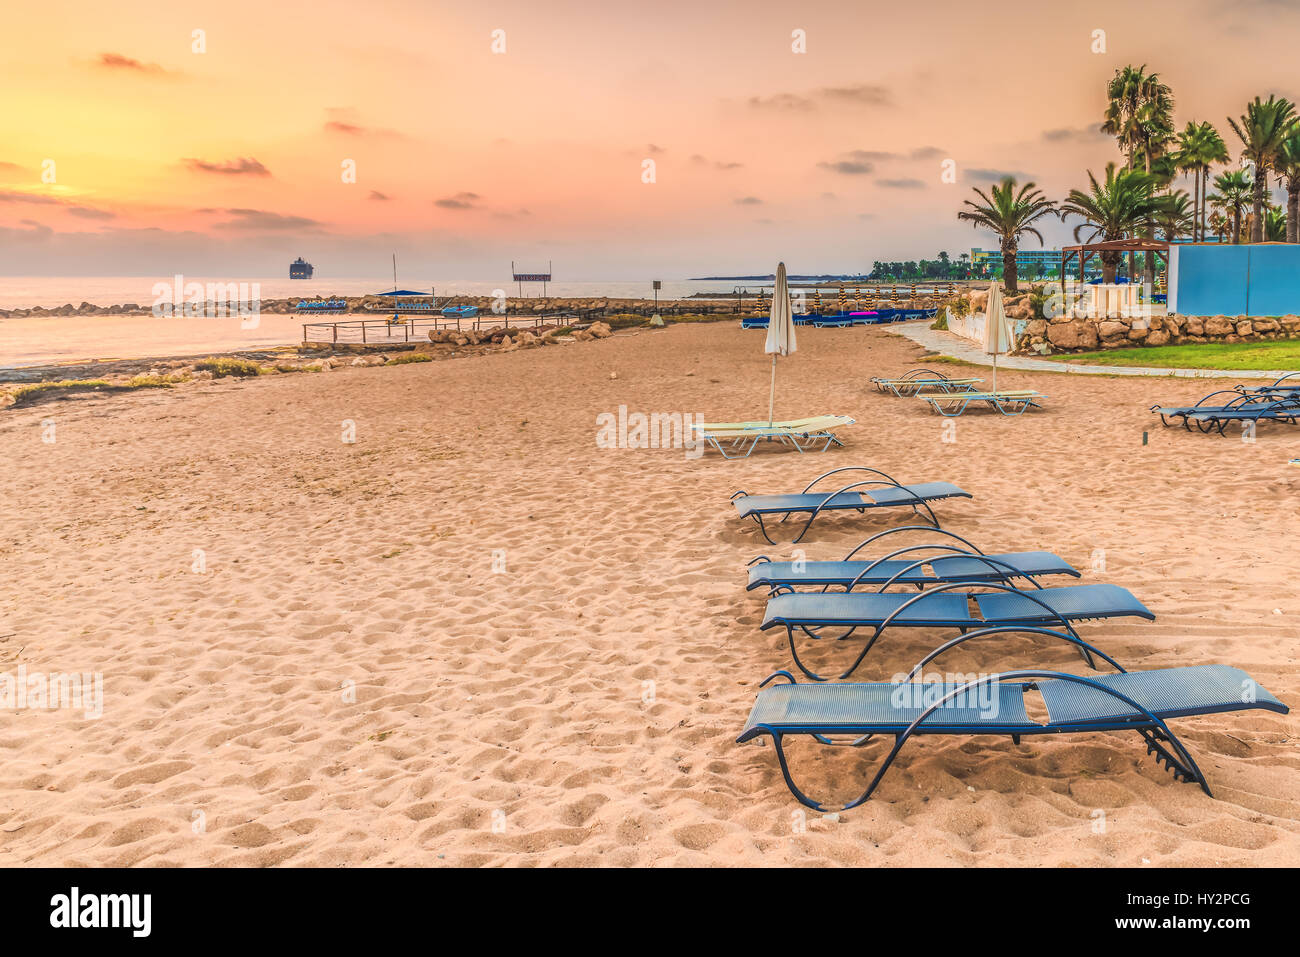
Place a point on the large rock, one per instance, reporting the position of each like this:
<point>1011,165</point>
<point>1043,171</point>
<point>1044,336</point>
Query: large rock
<point>1266,325</point>
<point>1077,334</point>
<point>1108,329</point>
<point>1195,326</point>
<point>600,330</point>
<point>1218,326</point>
<point>1036,327</point>
<point>1158,337</point>
<point>1245,328</point>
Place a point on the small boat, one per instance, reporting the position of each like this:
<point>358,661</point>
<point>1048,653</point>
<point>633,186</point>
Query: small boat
<point>460,312</point>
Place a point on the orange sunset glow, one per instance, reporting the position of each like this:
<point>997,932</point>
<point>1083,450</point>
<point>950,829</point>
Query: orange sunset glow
<point>215,137</point>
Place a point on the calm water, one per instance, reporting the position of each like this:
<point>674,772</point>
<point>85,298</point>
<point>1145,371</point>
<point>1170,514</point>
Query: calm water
<point>26,292</point>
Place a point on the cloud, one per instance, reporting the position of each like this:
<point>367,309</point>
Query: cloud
<point>699,160</point>
<point>86,212</point>
<point>749,201</point>
<point>862,162</point>
<point>459,201</point>
<point>997,175</point>
<point>782,101</point>
<point>1075,134</point>
<point>261,219</point>
<point>244,166</point>
<point>338,126</point>
<point>862,94</point>
<point>116,61</point>
<point>38,199</point>
<point>378,196</point>
<point>654,150</point>
<point>849,167</point>
<point>900,183</point>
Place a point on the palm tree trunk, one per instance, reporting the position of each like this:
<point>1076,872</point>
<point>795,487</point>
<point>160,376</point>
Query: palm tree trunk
<point>1293,210</point>
<point>1257,212</point>
<point>1009,269</point>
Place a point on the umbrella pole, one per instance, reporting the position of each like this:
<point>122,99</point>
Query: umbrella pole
<point>995,372</point>
<point>771,395</point>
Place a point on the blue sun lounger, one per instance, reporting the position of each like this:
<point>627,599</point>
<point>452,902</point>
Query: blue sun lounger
<point>946,605</point>
<point>1206,415</point>
<point>1141,701</point>
<point>1281,410</point>
<point>953,564</point>
<point>923,380</point>
<point>859,496</point>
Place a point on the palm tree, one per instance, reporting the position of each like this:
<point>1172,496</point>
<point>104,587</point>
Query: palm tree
<point>1234,191</point>
<point>1177,218</point>
<point>1263,128</point>
<point>1114,209</point>
<point>1009,214</point>
<point>1276,225</point>
<point>1288,170</point>
<point>1200,146</point>
<point>1139,113</point>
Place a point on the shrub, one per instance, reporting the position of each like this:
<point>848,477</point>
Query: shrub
<point>226,366</point>
<point>406,357</point>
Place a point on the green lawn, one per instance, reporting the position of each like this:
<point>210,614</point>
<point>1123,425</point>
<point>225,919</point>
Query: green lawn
<point>1282,354</point>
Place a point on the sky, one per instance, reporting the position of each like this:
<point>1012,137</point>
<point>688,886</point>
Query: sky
<point>486,132</point>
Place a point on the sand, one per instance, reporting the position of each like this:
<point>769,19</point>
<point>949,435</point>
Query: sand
<point>347,680</point>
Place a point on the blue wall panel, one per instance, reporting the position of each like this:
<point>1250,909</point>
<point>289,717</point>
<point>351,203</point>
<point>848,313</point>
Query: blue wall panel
<point>1274,281</point>
<point>1212,280</point>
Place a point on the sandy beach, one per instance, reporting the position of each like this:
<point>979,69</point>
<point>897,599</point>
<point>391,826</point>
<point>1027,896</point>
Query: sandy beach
<point>471,637</point>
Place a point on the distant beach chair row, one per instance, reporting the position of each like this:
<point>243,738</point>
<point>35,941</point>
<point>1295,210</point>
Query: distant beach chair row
<point>1277,402</point>
<point>952,397</point>
<point>967,590</point>
<point>322,305</point>
<point>842,319</point>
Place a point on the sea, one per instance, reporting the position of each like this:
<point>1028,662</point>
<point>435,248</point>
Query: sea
<point>50,292</point>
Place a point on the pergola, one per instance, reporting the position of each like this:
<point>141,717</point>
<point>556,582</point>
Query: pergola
<point>1087,250</point>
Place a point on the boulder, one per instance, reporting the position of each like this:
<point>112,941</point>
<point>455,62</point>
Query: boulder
<point>1036,327</point>
<point>1245,327</point>
<point>1158,337</point>
<point>1266,325</point>
<point>1108,329</point>
<point>1138,331</point>
<point>1195,326</point>
<point>1077,334</point>
<point>1218,326</point>
<point>600,330</point>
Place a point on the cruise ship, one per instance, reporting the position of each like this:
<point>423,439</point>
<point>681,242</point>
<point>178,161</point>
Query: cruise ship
<point>301,269</point>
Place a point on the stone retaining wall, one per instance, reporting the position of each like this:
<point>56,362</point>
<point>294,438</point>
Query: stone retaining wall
<point>1063,334</point>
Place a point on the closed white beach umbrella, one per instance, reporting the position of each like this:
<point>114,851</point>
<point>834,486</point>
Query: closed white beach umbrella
<point>997,329</point>
<point>780,331</point>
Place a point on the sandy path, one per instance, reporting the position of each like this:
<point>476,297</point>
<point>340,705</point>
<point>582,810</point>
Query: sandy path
<point>520,698</point>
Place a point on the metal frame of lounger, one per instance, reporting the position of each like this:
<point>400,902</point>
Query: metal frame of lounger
<point>910,384</point>
<point>1282,410</point>
<point>1007,403</point>
<point>827,504</point>
<point>1155,732</point>
<point>1243,400</point>
<point>920,581</point>
<point>895,617</point>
